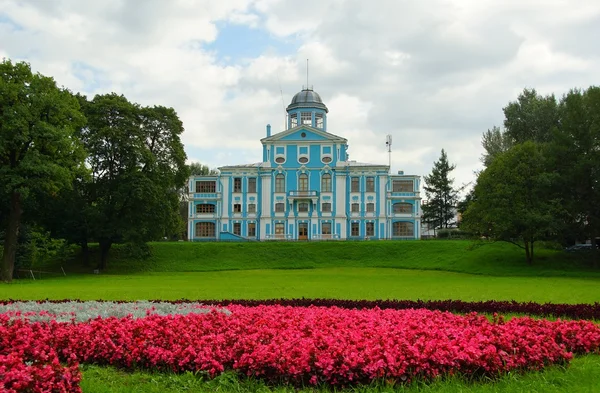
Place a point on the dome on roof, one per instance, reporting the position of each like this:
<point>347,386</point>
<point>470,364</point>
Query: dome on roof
<point>307,98</point>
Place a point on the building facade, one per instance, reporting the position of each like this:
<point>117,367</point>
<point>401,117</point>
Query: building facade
<point>305,188</point>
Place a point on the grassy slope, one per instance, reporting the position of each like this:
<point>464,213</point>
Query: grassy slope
<point>501,259</point>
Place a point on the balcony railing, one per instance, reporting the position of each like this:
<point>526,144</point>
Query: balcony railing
<point>203,215</point>
<point>320,236</point>
<point>205,195</point>
<point>303,194</point>
<point>278,236</point>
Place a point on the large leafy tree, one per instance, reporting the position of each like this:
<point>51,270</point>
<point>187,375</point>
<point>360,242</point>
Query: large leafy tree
<point>137,166</point>
<point>39,152</point>
<point>512,199</point>
<point>575,153</point>
<point>440,209</point>
<point>531,117</point>
<point>494,142</point>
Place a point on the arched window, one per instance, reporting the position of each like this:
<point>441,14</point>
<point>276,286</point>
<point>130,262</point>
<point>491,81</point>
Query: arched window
<point>205,229</point>
<point>280,183</point>
<point>403,229</point>
<point>402,207</point>
<point>303,182</point>
<point>326,182</point>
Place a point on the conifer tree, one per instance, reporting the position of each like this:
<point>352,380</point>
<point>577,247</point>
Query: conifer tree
<point>439,211</point>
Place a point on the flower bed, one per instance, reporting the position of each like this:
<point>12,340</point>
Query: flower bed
<point>571,311</point>
<point>300,345</point>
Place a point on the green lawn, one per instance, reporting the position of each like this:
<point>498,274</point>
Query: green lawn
<point>583,375</point>
<point>340,282</point>
<point>346,270</point>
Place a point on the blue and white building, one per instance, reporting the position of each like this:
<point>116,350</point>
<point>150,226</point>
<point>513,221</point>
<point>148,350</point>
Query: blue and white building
<point>304,188</point>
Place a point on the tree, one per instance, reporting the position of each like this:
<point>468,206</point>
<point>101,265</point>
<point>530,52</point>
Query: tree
<point>494,142</point>
<point>39,152</point>
<point>531,118</point>
<point>199,169</point>
<point>576,157</point>
<point>440,209</point>
<point>137,163</point>
<point>512,199</point>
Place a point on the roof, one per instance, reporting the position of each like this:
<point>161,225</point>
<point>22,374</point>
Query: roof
<point>360,164</point>
<point>253,165</point>
<point>326,135</point>
<point>307,98</point>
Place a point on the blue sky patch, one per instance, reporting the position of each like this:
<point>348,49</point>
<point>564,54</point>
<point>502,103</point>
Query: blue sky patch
<point>237,42</point>
<point>93,78</point>
<point>5,20</point>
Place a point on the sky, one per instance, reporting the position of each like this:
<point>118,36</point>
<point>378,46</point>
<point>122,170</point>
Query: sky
<point>434,74</point>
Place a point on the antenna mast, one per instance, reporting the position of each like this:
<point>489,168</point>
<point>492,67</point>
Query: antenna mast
<point>282,104</point>
<point>306,74</point>
<point>388,143</point>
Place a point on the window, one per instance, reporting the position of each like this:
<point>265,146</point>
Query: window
<point>205,229</point>
<point>405,229</point>
<point>306,118</point>
<point>319,119</point>
<point>237,184</point>
<point>303,182</point>
<point>326,207</point>
<point>252,184</point>
<point>237,208</point>
<point>355,208</point>
<point>279,228</point>
<point>370,207</point>
<point>326,182</point>
<point>354,229</point>
<point>252,208</point>
<point>294,119</point>
<point>402,186</point>
<point>205,208</point>
<point>237,228</point>
<point>205,186</point>
<point>405,208</point>
<point>303,160</point>
<point>370,229</point>
<point>251,229</point>
<point>326,228</point>
<point>280,160</point>
<point>279,207</point>
<point>280,183</point>
<point>302,207</point>
<point>326,159</point>
<point>355,184</point>
<point>370,184</point>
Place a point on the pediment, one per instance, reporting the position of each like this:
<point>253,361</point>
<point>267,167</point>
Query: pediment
<point>303,133</point>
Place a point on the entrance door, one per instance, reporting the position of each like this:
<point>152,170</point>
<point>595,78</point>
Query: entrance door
<point>303,231</point>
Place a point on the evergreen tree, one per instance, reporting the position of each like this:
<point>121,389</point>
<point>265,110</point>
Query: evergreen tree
<point>440,209</point>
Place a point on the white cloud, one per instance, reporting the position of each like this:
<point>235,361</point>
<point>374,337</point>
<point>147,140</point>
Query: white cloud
<point>433,74</point>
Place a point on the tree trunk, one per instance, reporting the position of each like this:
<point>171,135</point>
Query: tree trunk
<point>10,241</point>
<point>105,245</point>
<point>85,253</point>
<point>528,251</point>
<point>594,250</point>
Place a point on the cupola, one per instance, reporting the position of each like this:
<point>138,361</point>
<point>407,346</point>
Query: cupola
<point>307,108</point>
